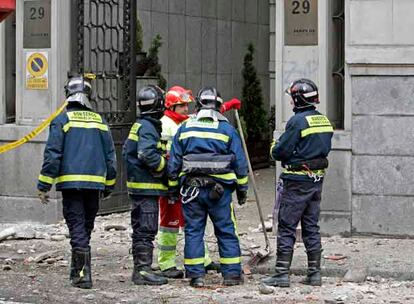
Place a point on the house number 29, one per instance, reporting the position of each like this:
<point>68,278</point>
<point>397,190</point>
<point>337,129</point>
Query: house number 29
<point>300,7</point>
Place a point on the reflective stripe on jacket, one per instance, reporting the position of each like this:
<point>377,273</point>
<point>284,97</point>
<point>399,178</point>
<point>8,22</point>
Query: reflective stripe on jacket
<point>79,153</point>
<point>169,129</point>
<point>307,136</point>
<point>144,156</point>
<point>208,137</point>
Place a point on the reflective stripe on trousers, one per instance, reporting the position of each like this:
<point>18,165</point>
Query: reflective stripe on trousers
<point>222,216</point>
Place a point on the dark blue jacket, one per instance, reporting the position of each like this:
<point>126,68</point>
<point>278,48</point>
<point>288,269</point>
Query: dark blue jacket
<point>79,153</point>
<point>213,139</point>
<point>308,136</point>
<point>144,156</point>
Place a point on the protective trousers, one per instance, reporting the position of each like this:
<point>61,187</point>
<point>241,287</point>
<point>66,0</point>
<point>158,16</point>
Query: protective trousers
<point>144,220</point>
<point>225,228</point>
<point>299,201</point>
<point>80,207</point>
<point>171,220</point>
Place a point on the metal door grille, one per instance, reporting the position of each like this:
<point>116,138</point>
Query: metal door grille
<point>105,34</point>
<point>103,43</point>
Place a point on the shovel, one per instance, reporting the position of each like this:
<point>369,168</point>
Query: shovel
<point>262,253</point>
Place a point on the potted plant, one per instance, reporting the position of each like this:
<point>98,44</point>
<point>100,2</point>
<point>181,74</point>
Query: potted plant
<point>141,61</point>
<point>154,67</point>
<point>254,116</point>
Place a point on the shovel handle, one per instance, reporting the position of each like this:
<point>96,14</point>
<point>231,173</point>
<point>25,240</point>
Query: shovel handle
<point>252,179</point>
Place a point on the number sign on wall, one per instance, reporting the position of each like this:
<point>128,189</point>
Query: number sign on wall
<point>301,22</point>
<point>36,24</point>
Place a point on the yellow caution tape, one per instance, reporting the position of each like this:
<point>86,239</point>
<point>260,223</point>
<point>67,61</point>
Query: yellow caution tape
<point>39,129</point>
<point>90,76</point>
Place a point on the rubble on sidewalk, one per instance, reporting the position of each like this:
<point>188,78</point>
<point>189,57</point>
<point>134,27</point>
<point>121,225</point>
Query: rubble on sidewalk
<point>44,265</point>
<point>115,227</point>
<point>46,255</point>
<point>264,289</point>
<point>356,274</point>
<point>34,231</point>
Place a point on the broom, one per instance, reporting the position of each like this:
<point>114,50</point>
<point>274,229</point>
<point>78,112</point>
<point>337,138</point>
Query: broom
<point>261,253</point>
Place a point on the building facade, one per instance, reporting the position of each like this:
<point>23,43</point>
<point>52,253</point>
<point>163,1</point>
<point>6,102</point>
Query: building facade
<point>361,54</point>
<point>204,42</point>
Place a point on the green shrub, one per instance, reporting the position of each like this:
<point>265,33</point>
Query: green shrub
<point>252,109</point>
<point>139,37</point>
<point>154,67</point>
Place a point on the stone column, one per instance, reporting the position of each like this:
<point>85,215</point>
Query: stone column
<point>20,167</point>
<point>311,60</point>
<point>33,106</point>
<point>2,74</point>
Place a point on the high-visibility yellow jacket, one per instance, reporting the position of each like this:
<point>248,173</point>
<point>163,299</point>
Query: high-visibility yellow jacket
<point>169,129</point>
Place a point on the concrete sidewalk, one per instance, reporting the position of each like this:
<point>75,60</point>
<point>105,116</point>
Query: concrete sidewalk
<point>377,257</point>
<point>361,257</point>
<point>373,257</point>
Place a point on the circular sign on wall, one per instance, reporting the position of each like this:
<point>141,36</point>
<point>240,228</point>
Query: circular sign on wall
<point>37,64</point>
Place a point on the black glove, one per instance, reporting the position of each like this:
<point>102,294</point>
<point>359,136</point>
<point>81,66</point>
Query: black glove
<point>173,193</point>
<point>241,197</point>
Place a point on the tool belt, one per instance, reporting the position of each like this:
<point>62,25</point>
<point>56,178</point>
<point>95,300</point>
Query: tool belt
<point>313,164</point>
<point>191,188</point>
<point>199,181</point>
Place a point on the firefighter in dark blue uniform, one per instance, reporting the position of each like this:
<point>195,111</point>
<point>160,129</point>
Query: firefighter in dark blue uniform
<point>80,159</point>
<point>206,165</point>
<point>303,149</point>
<point>144,155</point>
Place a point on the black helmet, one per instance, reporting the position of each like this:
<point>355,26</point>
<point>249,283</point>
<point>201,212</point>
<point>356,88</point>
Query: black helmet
<point>150,100</point>
<point>209,98</point>
<point>78,90</point>
<point>304,93</point>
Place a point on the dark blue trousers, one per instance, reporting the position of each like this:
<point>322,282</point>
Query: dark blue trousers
<point>299,201</point>
<point>144,220</point>
<point>80,207</point>
<point>225,228</point>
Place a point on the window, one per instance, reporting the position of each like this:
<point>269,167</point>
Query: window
<point>10,24</point>
<point>336,83</point>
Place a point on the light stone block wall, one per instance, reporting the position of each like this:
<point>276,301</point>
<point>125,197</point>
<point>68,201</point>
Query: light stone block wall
<point>336,208</point>
<point>380,82</point>
<point>204,41</point>
<point>383,155</point>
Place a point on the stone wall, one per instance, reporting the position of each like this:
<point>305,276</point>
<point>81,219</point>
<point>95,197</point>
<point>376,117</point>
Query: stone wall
<point>204,44</point>
<point>205,41</point>
<point>380,81</point>
<point>383,155</point>
<point>369,185</point>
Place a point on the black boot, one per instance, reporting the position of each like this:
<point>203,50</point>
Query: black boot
<point>81,272</point>
<point>281,278</point>
<point>143,274</point>
<point>72,267</point>
<point>197,282</point>
<point>213,266</point>
<point>233,280</point>
<point>173,273</point>
<point>314,269</point>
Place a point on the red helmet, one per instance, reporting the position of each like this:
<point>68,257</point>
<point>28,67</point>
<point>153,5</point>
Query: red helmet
<point>177,95</point>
